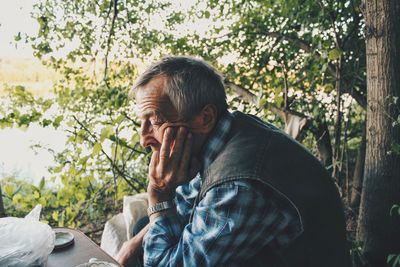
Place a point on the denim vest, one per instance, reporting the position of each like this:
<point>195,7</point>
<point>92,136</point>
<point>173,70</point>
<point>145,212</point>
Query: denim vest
<point>261,152</point>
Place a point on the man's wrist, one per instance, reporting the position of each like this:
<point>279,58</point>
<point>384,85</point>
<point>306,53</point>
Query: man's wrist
<point>168,212</point>
<point>157,196</point>
<point>160,206</point>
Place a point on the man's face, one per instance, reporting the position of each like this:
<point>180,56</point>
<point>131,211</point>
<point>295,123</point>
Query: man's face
<point>155,111</point>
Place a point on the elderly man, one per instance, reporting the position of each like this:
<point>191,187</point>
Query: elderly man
<point>226,189</point>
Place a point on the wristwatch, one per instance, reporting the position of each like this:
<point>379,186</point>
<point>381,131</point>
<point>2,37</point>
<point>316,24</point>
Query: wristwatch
<point>160,207</point>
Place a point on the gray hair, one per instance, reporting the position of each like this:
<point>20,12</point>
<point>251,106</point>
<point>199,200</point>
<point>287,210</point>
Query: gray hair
<point>191,84</point>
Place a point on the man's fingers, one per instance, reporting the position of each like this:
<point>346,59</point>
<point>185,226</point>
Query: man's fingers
<point>174,125</point>
<point>177,150</point>
<point>166,146</point>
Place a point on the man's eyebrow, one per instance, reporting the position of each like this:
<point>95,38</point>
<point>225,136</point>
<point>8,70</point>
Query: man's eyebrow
<point>150,113</point>
<point>142,114</point>
<point>147,113</point>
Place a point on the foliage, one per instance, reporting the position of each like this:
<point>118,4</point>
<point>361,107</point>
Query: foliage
<point>72,205</point>
<point>293,55</point>
<point>100,163</point>
<point>394,260</point>
<point>288,54</point>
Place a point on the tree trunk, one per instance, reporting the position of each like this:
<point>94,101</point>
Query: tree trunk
<point>2,212</point>
<point>337,164</point>
<point>358,173</point>
<point>378,231</point>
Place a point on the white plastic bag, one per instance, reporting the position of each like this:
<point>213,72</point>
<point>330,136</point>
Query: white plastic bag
<point>25,241</point>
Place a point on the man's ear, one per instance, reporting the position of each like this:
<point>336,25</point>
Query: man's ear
<point>206,119</point>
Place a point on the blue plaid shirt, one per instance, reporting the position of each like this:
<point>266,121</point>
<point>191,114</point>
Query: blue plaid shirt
<point>230,224</point>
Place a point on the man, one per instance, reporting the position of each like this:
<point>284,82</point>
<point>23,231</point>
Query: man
<point>259,198</point>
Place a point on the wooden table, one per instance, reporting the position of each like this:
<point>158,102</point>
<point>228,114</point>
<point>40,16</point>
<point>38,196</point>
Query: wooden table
<point>80,252</point>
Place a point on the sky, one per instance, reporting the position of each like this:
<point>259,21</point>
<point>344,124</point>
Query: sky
<point>15,17</point>
<point>16,156</point>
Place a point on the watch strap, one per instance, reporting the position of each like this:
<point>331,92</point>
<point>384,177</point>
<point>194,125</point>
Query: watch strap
<point>160,207</point>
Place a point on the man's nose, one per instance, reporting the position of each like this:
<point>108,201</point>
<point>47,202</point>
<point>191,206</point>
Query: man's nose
<point>145,133</point>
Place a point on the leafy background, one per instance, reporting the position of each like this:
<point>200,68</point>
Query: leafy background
<point>280,59</point>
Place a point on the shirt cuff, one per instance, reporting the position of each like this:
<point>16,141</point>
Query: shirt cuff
<point>166,226</point>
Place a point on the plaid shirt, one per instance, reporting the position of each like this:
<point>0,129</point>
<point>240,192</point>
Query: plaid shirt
<point>232,223</point>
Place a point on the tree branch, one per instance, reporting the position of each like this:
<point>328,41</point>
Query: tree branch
<point>252,98</point>
<point>119,171</point>
<point>246,94</point>
<point>361,99</point>
<point>302,44</point>
<point>130,119</point>
<point>111,33</point>
<point>358,97</point>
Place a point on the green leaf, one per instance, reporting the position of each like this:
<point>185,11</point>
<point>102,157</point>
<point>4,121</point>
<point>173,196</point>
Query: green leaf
<point>16,198</point>
<point>58,169</point>
<point>96,149</point>
<point>80,197</point>
<point>106,132</point>
<point>91,178</point>
<point>42,201</point>
<point>262,102</point>
<point>395,148</point>
<point>72,171</point>
<point>68,211</point>
<point>334,54</point>
<point>64,180</point>
<point>54,215</point>
<point>390,258</point>
<point>9,189</point>
<point>17,37</point>
<point>85,182</point>
<point>24,120</point>
<point>83,160</point>
<point>57,121</point>
<point>393,260</point>
<point>41,184</point>
<point>80,137</point>
<point>119,119</point>
<point>278,99</point>
<point>324,67</point>
<point>46,122</point>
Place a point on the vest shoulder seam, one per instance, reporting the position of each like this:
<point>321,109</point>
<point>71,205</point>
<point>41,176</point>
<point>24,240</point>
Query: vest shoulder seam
<point>257,178</point>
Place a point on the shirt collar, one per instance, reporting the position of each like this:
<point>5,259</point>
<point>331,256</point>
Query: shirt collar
<point>217,139</point>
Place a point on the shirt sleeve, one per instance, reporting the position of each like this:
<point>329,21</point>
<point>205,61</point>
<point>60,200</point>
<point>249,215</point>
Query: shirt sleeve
<point>185,197</point>
<point>230,224</point>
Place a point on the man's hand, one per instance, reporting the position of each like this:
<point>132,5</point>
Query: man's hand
<point>127,252</point>
<point>169,167</point>
<point>130,247</point>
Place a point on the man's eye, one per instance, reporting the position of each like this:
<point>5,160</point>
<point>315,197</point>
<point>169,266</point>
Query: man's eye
<point>157,122</point>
